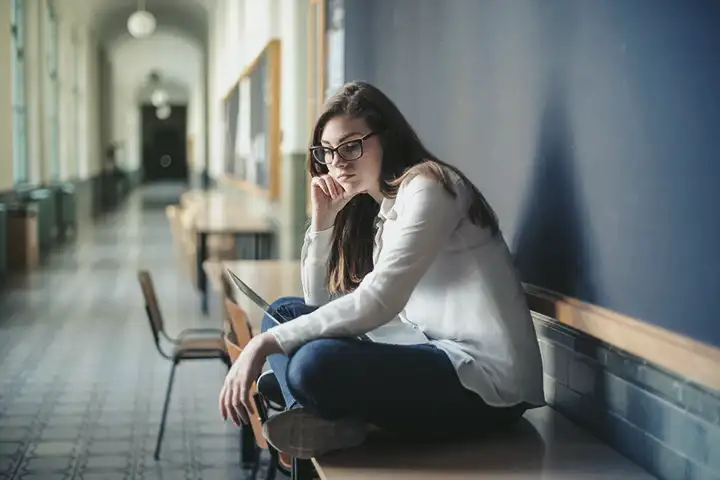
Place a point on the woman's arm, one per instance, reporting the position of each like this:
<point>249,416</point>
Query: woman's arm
<point>427,219</point>
<point>314,260</point>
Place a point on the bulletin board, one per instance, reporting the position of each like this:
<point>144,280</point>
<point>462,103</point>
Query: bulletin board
<point>252,125</point>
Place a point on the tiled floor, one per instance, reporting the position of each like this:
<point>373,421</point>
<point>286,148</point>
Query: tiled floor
<point>81,384</point>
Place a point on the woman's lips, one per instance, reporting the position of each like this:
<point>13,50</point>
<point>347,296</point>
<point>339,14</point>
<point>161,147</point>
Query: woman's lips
<point>345,176</point>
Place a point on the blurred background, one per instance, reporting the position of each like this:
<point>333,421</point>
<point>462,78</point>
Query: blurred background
<point>171,136</point>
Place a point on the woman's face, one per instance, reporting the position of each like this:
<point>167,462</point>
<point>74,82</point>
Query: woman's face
<point>363,173</point>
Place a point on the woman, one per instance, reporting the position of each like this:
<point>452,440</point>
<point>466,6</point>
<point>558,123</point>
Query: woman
<point>403,248</point>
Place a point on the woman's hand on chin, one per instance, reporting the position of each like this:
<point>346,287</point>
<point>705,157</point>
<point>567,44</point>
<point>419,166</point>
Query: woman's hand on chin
<point>235,400</point>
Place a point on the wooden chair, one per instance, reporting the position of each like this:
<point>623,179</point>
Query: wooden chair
<point>191,344</point>
<point>239,323</point>
<point>236,339</point>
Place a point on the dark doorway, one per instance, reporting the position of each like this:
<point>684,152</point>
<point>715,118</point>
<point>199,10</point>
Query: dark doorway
<point>164,145</point>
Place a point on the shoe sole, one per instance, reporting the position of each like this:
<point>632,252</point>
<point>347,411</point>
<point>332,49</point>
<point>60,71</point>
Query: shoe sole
<point>304,436</point>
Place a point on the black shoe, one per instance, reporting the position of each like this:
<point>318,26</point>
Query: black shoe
<point>303,435</point>
<point>269,388</point>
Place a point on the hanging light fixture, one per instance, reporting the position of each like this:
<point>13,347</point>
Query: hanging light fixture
<point>163,112</point>
<point>141,23</point>
<point>159,97</point>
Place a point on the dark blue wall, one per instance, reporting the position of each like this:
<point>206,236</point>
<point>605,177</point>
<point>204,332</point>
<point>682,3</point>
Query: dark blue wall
<point>592,126</point>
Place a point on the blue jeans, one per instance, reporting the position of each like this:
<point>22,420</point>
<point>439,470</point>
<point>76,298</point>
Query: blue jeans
<point>407,389</point>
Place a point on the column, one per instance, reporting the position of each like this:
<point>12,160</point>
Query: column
<point>6,138</point>
<point>34,71</point>
<point>294,123</point>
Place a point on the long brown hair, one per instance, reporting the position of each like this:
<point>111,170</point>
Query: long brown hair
<point>403,155</point>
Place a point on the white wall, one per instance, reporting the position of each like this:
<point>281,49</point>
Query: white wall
<point>91,159</point>
<point>294,82</point>
<point>68,108</point>
<point>6,144</point>
<point>179,60</point>
<point>239,30</point>
<point>79,84</point>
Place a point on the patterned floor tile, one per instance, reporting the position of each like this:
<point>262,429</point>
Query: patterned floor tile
<point>14,433</point>
<point>50,433</point>
<point>45,476</point>
<point>81,383</point>
<point>49,464</point>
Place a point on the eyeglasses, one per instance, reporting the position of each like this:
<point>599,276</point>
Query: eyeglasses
<point>351,150</point>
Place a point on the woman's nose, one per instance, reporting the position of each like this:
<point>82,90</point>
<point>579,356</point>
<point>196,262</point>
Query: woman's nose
<point>337,160</point>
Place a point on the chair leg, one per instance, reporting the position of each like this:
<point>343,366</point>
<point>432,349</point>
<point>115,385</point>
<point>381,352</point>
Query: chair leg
<point>161,433</point>
<point>249,447</point>
<point>302,470</point>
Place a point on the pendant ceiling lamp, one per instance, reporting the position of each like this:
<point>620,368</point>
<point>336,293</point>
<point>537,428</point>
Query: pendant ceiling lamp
<point>163,112</point>
<point>141,24</point>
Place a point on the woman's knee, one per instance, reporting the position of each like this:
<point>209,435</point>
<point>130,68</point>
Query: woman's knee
<point>313,375</point>
<point>279,309</point>
<point>284,301</point>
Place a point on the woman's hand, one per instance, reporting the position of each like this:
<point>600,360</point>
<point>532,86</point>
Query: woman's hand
<point>235,398</point>
<point>328,198</point>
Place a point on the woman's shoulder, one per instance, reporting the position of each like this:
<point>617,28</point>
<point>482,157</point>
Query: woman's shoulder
<point>431,177</point>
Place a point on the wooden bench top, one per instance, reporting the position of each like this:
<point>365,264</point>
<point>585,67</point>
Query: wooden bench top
<point>544,445</point>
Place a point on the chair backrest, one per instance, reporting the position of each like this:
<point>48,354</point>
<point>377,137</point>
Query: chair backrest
<point>239,323</point>
<point>234,351</point>
<point>152,308</point>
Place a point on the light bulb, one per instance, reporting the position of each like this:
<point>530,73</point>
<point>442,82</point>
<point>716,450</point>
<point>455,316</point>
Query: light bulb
<point>141,24</point>
<point>163,112</point>
<point>159,97</point>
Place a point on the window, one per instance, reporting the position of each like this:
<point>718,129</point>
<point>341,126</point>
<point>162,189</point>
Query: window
<point>20,160</point>
<point>52,93</point>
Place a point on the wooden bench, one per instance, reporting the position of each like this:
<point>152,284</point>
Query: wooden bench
<point>543,445</point>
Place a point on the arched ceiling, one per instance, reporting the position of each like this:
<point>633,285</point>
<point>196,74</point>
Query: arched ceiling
<point>177,59</point>
<point>188,17</point>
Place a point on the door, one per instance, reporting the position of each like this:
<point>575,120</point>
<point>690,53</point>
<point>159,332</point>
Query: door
<point>165,145</point>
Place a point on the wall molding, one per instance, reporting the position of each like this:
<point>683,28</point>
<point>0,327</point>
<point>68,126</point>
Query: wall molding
<point>694,360</point>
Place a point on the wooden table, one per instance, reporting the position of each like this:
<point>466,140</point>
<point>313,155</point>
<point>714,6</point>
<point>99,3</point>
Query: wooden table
<point>195,198</point>
<point>218,218</point>
<point>271,279</point>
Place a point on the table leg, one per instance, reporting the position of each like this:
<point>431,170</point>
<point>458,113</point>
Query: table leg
<point>201,277</point>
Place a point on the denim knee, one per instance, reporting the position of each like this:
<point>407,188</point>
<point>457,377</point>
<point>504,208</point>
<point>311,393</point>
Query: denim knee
<point>311,377</point>
<point>278,305</point>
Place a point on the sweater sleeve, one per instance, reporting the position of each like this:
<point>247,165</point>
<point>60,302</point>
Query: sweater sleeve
<point>424,224</point>
<point>314,259</point>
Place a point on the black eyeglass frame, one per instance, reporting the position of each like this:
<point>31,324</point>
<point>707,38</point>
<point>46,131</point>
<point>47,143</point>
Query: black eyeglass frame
<point>333,151</point>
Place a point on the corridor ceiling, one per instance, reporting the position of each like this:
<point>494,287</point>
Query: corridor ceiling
<point>109,17</point>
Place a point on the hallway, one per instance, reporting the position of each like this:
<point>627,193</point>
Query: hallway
<point>81,384</point>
